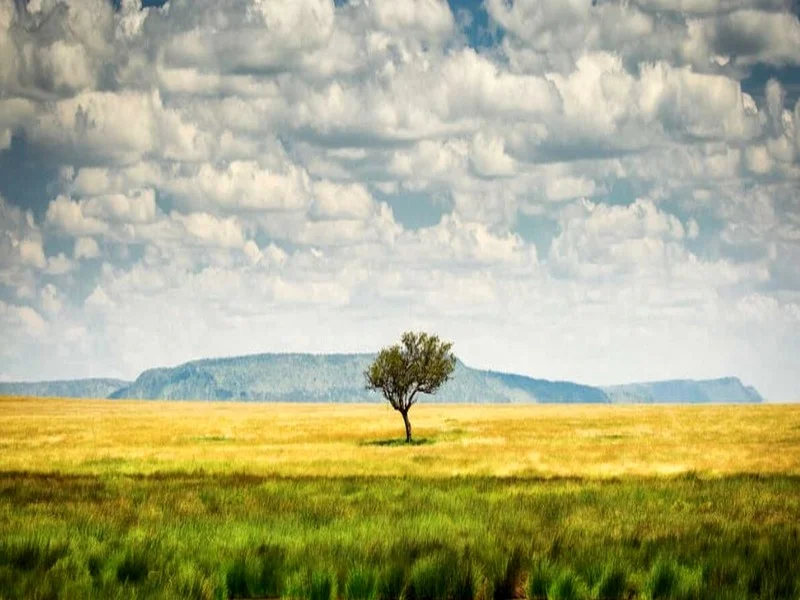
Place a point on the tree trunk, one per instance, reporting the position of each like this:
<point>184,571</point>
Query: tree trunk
<point>408,426</point>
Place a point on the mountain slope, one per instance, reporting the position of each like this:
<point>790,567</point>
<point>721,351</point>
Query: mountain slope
<point>339,378</point>
<point>76,388</point>
<point>726,389</point>
<point>333,378</point>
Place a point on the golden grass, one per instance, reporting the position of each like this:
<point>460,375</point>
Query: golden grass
<point>83,436</point>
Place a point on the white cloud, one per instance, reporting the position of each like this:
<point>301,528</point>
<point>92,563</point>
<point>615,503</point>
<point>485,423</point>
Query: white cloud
<point>342,201</point>
<point>68,216</point>
<point>244,185</point>
<point>85,248</point>
<point>708,36</point>
<point>137,207</point>
<point>50,298</point>
<point>430,17</point>
<point>120,127</point>
<point>565,188</point>
<point>638,242</point>
<point>208,229</point>
<point>226,184</point>
<point>22,317</point>
<point>31,253</point>
<point>99,299</point>
<point>21,244</point>
<point>59,264</point>
<point>455,240</point>
<point>488,156</point>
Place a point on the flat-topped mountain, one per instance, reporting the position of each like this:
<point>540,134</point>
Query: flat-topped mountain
<point>334,378</point>
<point>339,378</point>
<point>726,389</point>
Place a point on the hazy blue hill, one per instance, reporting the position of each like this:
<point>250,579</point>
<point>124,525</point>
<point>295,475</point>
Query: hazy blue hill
<point>333,378</point>
<point>542,390</point>
<point>339,378</point>
<point>76,388</point>
<point>282,377</point>
<point>727,389</point>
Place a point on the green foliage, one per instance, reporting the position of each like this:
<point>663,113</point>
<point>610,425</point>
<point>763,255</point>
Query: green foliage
<point>361,584</point>
<point>323,586</point>
<point>670,580</point>
<point>145,537</point>
<point>257,572</point>
<point>134,567</point>
<point>308,585</point>
<point>420,364</point>
<point>438,576</point>
<point>773,571</point>
<point>391,582</point>
<point>31,552</point>
<point>540,577</point>
<point>663,582</point>
<point>505,575</point>
<point>613,583</point>
<point>567,586</point>
<point>68,578</point>
<point>298,587</point>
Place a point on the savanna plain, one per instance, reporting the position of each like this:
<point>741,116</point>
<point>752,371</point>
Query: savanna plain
<point>111,499</point>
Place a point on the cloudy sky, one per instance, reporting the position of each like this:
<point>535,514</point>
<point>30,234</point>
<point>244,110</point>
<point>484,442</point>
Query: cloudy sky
<point>602,191</point>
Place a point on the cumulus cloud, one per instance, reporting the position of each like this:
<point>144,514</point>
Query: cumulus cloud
<point>85,248</point>
<point>244,185</point>
<point>584,180</point>
<point>20,240</point>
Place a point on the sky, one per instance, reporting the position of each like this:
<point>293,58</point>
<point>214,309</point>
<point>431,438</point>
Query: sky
<point>593,190</point>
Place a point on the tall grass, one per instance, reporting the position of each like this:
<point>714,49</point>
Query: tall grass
<point>168,500</point>
<point>391,538</point>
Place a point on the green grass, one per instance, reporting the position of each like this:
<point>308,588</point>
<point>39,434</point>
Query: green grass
<point>369,538</point>
<point>327,502</point>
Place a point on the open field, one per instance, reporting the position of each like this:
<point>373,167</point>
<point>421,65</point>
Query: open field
<point>95,437</point>
<point>105,499</point>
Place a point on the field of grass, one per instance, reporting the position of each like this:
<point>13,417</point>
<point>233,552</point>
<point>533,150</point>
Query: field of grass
<point>145,499</point>
<point>140,437</point>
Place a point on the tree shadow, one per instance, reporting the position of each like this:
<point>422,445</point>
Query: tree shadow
<point>398,442</point>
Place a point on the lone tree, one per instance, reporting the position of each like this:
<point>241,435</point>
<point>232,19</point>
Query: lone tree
<point>419,364</point>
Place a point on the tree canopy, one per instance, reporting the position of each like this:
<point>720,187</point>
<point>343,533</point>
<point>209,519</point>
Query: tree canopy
<point>419,364</point>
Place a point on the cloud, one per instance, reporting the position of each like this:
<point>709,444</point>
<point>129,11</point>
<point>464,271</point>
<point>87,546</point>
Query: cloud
<point>68,216</point>
<point>708,36</point>
<point>640,242</point>
<point>584,180</point>
<point>52,49</point>
<point>429,17</point>
<point>20,240</point>
<point>85,248</point>
<point>455,240</point>
<point>208,229</point>
<point>88,127</point>
<point>489,158</point>
<point>50,298</point>
<point>343,201</point>
<point>249,37</point>
<point>21,317</point>
<point>244,185</point>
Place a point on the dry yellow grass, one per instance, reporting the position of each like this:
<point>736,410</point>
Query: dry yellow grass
<point>80,436</point>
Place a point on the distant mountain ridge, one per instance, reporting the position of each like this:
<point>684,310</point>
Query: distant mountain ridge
<point>339,378</point>
<point>726,389</point>
<point>69,388</point>
<point>334,378</point>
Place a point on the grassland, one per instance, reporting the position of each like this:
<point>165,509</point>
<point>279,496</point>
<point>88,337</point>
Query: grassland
<point>97,437</point>
<point>105,499</point>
